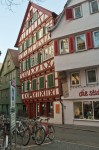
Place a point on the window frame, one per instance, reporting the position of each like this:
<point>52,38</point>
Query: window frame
<point>49,84</point>
<point>76,43</point>
<point>64,49</point>
<point>40,83</point>
<point>71,79</point>
<point>75,17</point>
<point>36,84</point>
<point>87,76</point>
<point>94,38</point>
<point>90,5</point>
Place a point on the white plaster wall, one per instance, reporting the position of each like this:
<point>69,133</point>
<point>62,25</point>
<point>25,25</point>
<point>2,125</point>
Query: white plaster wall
<point>68,112</point>
<point>82,59</point>
<point>74,2</point>
<point>67,27</point>
<point>74,91</point>
<point>86,122</point>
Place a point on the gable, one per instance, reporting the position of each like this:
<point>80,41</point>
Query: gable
<point>35,16</point>
<point>74,2</point>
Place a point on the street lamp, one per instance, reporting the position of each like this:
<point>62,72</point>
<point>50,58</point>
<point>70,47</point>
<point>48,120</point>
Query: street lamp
<point>0,53</point>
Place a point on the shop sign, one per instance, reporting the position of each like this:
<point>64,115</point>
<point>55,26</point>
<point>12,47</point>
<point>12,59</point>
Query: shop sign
<point>88,93</point>
<point>57,108</point>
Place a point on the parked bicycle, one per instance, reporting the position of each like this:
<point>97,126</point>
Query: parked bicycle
<point>49,129</point>
<point>37,132</point>
<point>5,140</point>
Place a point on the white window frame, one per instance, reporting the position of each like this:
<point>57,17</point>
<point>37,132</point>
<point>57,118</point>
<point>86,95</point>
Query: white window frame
<point>91,6</point>
<point>87,76</point>
<point>24,65</point>
<point>64,50</point>
<point>80,12</point>
<point>49,54</point>
<point>71,78</point>
<point>35,57</point>
<point>76,42</point>
<point>94,38</point>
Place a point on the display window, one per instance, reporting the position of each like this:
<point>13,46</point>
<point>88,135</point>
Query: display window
<point>86,110</point>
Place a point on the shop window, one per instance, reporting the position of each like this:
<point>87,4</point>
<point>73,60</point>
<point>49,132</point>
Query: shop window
<point>77,12</point>
<point>80,42</point>
<point>75,79</point>
<point>96,39</point>
<point>91,76</point>
<point>50,80</point>
<point>94,6</point>
<point>87,110</point>
<point>78,110</point>
<point>43,109</point>
<point>64,46</point>
<point>50,109</point>
<point>96,110</point>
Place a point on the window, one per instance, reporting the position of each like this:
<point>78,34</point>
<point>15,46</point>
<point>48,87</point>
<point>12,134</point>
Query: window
<point>75,78</point>
<point>24,65</point>
<point>96,110</point>
<point>80,42</point>
<point>34,59</point>
<point>50,80</point>
<point>50,109</point>
<point>94,6</point>
<point>77,12</point>
<point>64,46</point>
<point>48,52</point>
<point>41,83</point>
<point>43,107</point>
<point>34,84</point>
<point>87,110</point>
<point>26,86</point>
<point>20,49</point>
<point>78,110</point>
<point>96,39</point>
<point>91,76</point>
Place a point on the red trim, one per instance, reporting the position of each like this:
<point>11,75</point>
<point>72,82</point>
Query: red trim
<point>55,47</point>
<point>89,40</point>
<point>69,13</point>
<point>71,44</point>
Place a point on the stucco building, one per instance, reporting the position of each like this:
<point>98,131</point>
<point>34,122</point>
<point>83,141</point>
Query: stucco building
<point>77,60</point>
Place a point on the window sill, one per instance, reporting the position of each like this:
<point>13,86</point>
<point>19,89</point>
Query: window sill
<point>90,120</point>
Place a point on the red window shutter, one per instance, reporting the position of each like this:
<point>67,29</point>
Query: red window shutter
<point>71,44</point>
<point>89,40</point>
<point>69,13</point>
<point>55,47</point>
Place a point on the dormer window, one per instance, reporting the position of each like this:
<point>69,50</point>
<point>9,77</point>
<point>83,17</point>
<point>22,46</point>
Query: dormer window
<point>64,46</point>
<point>94,6</point>
<point>77,12</point>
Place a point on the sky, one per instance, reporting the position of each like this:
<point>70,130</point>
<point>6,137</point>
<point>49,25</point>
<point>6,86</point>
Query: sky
<point>10,21</point>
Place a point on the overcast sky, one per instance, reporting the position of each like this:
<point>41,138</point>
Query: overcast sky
<point>10,22</point>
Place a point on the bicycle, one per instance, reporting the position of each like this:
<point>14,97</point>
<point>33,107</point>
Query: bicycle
<point>37,132</point>
<point>49,129</point>
<point>5,134</point>
<point>22,130</point>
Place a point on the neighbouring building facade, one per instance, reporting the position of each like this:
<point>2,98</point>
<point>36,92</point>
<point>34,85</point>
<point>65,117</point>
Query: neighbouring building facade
<point>8,72</point>
<point>77,33</point>
<point>40,85</point>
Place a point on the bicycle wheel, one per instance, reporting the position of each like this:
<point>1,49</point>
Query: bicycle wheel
<point>40,136</point>
<point>22,128</point>
<point>26,136</point>
<point>51,132</point>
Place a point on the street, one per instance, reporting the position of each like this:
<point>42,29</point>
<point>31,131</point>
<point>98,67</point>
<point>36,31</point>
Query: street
<point>68,139</point>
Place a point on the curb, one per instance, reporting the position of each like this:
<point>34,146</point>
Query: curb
<point>82,129</point>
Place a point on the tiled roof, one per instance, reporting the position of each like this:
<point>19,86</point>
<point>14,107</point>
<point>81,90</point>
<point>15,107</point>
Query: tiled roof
<point>14,55</point>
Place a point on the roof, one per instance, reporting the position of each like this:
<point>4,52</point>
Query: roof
<point>48,12</point>
<point>14,55</point>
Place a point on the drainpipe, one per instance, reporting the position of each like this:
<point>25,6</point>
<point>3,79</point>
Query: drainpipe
<point>62,110</point>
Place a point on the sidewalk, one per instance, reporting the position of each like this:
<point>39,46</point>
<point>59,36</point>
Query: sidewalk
<point>78,127</point>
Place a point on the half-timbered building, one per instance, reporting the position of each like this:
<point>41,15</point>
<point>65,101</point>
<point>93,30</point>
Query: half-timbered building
<point>40,85</point>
